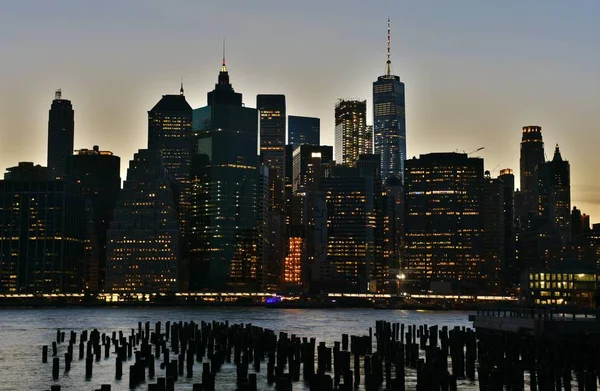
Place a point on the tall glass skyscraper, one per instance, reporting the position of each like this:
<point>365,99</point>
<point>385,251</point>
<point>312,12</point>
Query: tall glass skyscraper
<point>389,120</point>
<point>61,125</point>
<point>303,130</point>
<point>352,136</point>
<point>223,192</point>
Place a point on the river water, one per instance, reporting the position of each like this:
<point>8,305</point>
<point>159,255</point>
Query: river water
<point>23,332</point>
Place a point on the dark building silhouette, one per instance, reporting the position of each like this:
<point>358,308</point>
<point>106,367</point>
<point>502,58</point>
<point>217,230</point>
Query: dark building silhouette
<point>352,135</point>
<point>170,132</point>
<point>41,232</point>
<point>555,194</point>
<point>223,192</point>
<point>580,224</point>
<point>98,173</point>
<point>389,115</point>
<point>494,231</point>
<point>143,238</point>
<point>444,223</point>
<point>511,270</point>
<point>61,126</point>
<point>532,156</point>
<point>304,130</point>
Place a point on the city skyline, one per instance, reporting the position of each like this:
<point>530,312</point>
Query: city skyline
<point>483,84</point>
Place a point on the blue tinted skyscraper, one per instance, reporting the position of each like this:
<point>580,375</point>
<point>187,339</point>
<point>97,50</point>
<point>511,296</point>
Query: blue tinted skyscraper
<point>303,130</point>
<point>389,120</point>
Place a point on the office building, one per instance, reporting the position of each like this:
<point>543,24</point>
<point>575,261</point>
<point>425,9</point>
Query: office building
<point>568,287</point>
<point>511,271</point>
<point>304,130</point>
<point>443,223</point>
<point>61,127</point>
<point>223,222</point>
<point>143,238</point>
<point>98,174</point>
<point>532,156</point>
<point>389,115</point>
<point>555,194</point>
<point>41,232</point>
<point>494,231</point>
<point>303,164</point>
<point>353,197</point>
<point>272,131</point>
<point>351,133</point>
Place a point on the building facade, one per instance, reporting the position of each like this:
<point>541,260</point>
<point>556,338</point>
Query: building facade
<point>272,131</point>
<point>555,194</point>
<point>98,174</point>
<point>223,221</point>
<point>41,232</point>
<point>444,223</point>
<point>351,133</point>
<point>532,157</point>
<point>143,238</point>
<point>61,129</point>
<point>304,130</point>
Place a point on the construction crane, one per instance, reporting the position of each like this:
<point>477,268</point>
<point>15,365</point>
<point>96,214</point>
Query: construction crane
<point>477,150</point>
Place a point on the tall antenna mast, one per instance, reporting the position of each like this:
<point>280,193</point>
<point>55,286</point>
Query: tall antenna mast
<point>389,61</point>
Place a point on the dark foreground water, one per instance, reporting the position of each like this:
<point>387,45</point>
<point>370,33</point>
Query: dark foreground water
<point>24,331</point>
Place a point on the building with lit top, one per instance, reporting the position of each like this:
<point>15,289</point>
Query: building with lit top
<point>389,116</point>
<point>352,136</point>
<point>223,219</point>
<point>143,238</point>
<point>61,133</point>
<point>304,130</point>
<point>443,222</point>
<point>532,156</point>
<point>272,118</point>
<point>41,232</point>
<point>98,174</point>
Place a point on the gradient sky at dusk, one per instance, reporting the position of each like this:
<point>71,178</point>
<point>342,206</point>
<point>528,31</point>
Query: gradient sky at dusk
<point>475,71</point>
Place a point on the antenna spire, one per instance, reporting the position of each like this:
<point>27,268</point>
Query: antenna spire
<point>181,89</point>
<point>389,61</point>
<point>223,66</point>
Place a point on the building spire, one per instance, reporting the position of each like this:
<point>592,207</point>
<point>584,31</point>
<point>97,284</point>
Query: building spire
<point>557,156</point>
<point>223,66</point>
<point>181,89</point>
<point>388,71</point>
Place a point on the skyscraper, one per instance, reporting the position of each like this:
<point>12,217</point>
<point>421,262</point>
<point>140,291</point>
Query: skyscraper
<point>170,132</point>
<point>389,116</point>
<point>98,173</point>
<point>443,222</point>
<point>272,131</point>
<point>41,232</point>
<point>143,239</point>
<point>532,156</point>
<point>494,230</point>
<point>555,194</point>
<point>303,130</point>
<point>351,133</point>
<point>354,223</point>
<point>61,125</point>
<point>511,269</point>
<point>223,193</point>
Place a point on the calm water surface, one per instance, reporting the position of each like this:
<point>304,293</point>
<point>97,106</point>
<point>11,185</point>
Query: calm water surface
<point>24,331</point>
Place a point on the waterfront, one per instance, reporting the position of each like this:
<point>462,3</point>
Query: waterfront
<point>24,331</point>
